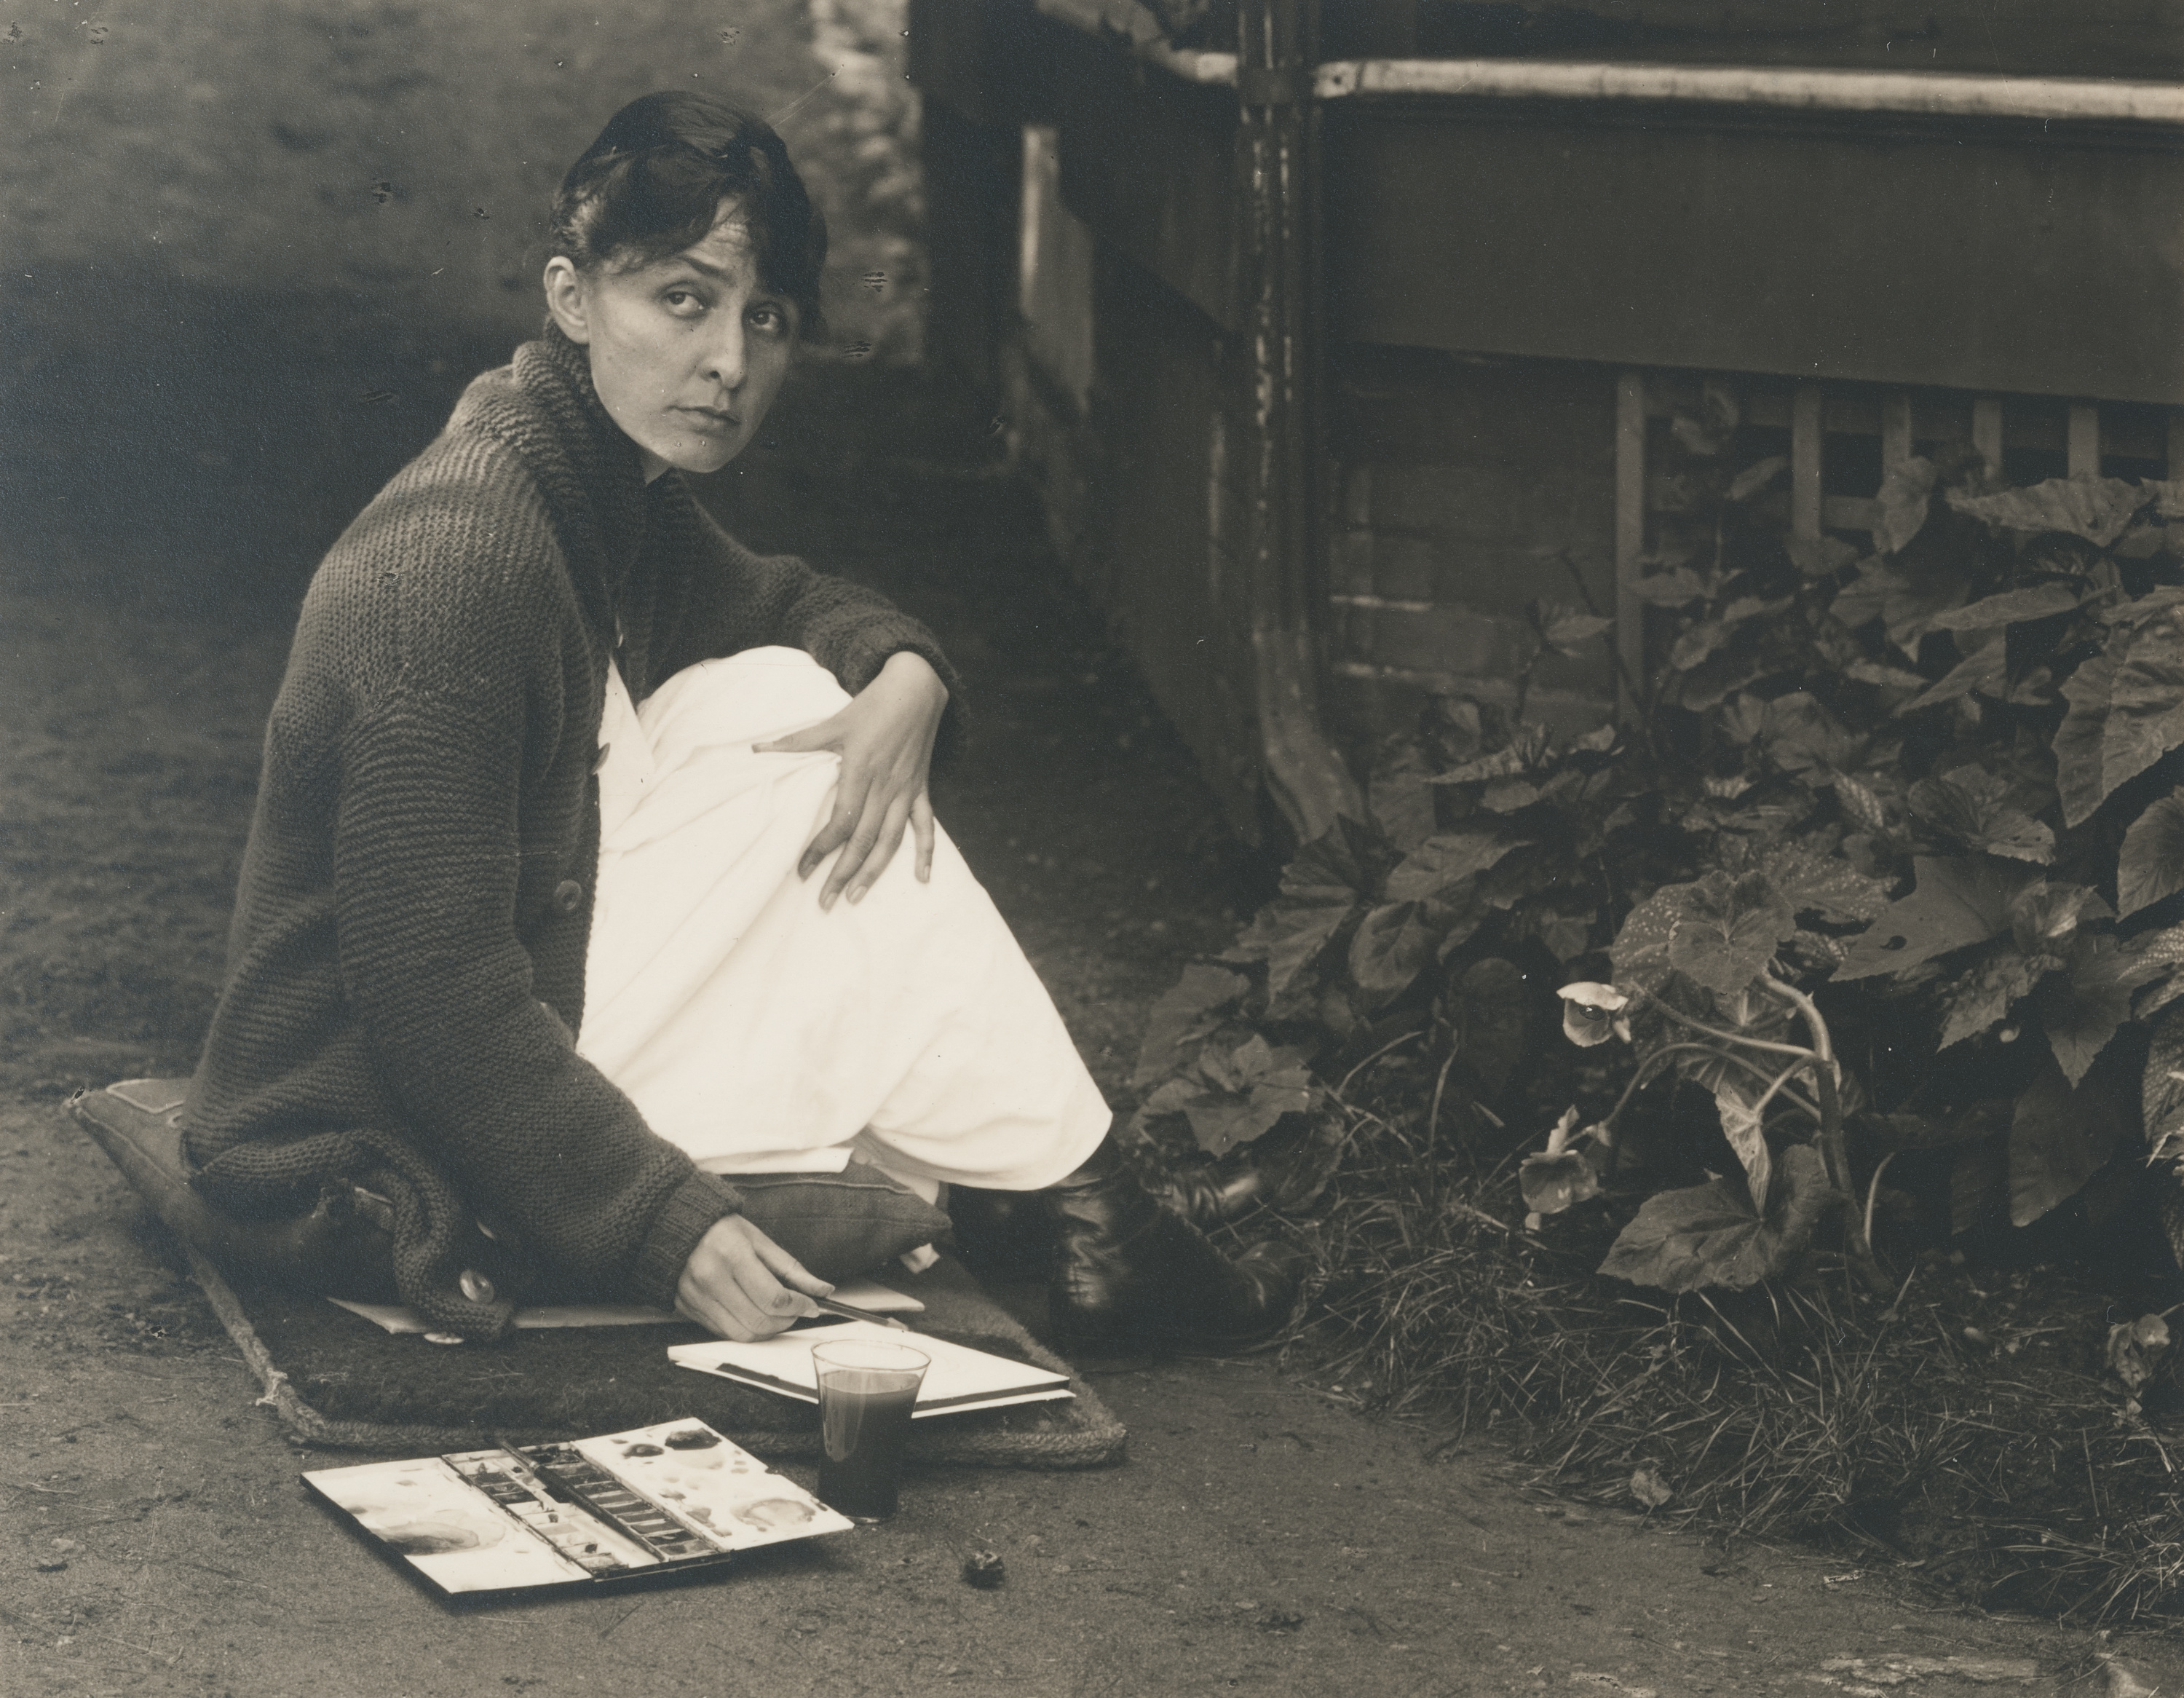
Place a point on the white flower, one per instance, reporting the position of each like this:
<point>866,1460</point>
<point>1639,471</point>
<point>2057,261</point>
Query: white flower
<point>1593,1013</point>
<point>1559,1176</point>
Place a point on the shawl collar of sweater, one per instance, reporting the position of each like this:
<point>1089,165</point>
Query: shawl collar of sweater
<point>545,408</point>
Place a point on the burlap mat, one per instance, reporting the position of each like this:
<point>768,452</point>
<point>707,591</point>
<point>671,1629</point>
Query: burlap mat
<point>340,1382</point>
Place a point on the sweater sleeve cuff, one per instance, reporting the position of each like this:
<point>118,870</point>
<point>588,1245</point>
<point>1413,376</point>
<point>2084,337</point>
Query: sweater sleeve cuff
<point>686,1217</point>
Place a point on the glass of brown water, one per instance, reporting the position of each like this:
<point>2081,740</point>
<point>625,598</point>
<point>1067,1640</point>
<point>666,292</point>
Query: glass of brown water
<point>866,1391</point>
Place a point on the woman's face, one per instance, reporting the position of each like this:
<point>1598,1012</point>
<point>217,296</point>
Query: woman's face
<point>688,353</point>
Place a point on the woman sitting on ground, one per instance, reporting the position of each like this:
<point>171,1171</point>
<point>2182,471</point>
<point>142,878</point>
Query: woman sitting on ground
<point>572,921</point>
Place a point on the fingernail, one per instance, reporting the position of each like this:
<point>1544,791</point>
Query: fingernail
<point>857,895</point>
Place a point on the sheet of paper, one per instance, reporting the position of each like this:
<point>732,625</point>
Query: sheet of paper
<point>958,1378</point>
<point>395,1317</point>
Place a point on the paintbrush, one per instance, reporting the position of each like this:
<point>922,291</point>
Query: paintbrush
<point>851,1311</point>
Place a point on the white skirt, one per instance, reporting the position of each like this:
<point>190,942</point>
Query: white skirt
<point>764,1034</point>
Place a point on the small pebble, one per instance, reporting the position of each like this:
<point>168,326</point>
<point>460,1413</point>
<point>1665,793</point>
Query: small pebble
<point>985,1569</point>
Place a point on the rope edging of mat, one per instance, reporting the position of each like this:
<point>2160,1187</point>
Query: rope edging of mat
<point>1102,1438</point>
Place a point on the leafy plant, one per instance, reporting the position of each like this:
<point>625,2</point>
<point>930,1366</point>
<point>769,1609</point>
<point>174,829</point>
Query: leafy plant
<point>1891,859</point>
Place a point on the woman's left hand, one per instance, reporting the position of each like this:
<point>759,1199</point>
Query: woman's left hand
<point>884,737</point>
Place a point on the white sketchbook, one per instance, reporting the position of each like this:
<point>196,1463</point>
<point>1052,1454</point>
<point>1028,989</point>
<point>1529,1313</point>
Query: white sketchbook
<point>959,1378</point>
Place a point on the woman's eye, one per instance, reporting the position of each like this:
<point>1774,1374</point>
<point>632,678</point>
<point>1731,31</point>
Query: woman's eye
<point>683,302</point>
<point>769,319</point>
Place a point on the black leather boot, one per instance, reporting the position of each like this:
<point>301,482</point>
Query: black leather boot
<point>1009,1235</point>
<point>1127,1270</point>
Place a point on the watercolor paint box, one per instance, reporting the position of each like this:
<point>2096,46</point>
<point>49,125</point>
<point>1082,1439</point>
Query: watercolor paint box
<point>658,1500</point>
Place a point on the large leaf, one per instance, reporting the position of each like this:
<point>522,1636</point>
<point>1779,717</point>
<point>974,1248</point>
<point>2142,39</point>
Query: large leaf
<point>1720,930</point>
<point>1984,672</point>
<point>2157,958</point>
<point>2079,779</point>
<point>1823,884</point>
<point>1710,1235</point>
<point>1401,801</point>
<point>1393,945</point>
<point>2161,1094</point>
<point>1567,630</point>
<point>2059,1138</point>
<point>2084,1005</point>
<point>2011,607</point>
<point>1343,866</point>
<point>2126,711</point>
<point>1728,929</point>
<point>1803,738</point>
<point>1907,606</point>
<point>1976,998</point>
<point>2047,914</point>
<point>1231,1099</point>
<point>1184,1018</point>
<point>1678,587</point>
<point>1523,750</point>
<point>2095,508</point>
<point>1741,1126</point>
<point>1447,858</point>
<point>1905,495</point>
<point>1972,806</point>
<point>1956,903</point>
<point>2152,865</point>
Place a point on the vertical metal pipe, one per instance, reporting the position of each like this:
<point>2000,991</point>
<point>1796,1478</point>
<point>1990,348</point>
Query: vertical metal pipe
<point>1629,538</point>
<point>1277,129</point>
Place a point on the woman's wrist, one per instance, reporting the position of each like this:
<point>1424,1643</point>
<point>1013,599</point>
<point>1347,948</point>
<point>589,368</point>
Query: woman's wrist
<point>908,665</point>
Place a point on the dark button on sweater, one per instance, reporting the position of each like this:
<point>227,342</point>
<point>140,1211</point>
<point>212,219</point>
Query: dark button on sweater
<point>568,895</point>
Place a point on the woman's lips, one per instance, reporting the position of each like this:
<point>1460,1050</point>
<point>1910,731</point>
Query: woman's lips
<point>713,418</point>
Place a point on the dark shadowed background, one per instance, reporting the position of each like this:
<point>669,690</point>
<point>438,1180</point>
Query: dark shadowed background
<point>252,248</point>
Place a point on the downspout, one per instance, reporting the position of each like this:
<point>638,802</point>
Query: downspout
<point>1278,161</point>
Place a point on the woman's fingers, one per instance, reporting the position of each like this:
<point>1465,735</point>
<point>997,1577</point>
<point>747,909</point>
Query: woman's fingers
<point>787,1269</point>
<point>868,850</point>
<point>920,825</point>
<point>830,836</point>
<point>884,739</point>
<point>732,1283</point>
<point>892,824</point>
<point>826,735</point>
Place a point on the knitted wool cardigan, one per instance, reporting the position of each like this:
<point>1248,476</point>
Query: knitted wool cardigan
<point>406,960</point>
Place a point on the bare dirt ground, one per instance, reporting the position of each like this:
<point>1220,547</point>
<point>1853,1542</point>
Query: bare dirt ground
<point>1262,1536</point>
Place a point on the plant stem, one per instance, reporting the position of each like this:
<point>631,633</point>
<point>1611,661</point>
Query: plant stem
<point>1645,1069</point>
<point>1781,1079</point>
<point>1683,1019</point>
<point>1872,1192</point>
<point>1834,1153</point>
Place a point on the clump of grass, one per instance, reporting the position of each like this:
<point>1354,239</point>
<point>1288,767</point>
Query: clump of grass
<point>1803,1408</point>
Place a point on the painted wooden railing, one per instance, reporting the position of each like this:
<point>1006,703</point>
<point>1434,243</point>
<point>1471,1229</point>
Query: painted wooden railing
<point>2091,437</point>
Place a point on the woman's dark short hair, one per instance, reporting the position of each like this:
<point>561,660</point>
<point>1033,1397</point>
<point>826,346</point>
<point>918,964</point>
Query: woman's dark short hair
<point>652,184</point>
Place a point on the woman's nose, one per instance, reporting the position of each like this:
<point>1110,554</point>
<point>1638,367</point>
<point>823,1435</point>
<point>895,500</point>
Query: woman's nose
<point>724,357</point>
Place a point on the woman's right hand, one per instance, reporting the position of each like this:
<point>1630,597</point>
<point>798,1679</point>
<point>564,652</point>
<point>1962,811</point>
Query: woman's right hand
<point>743,1285</point>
